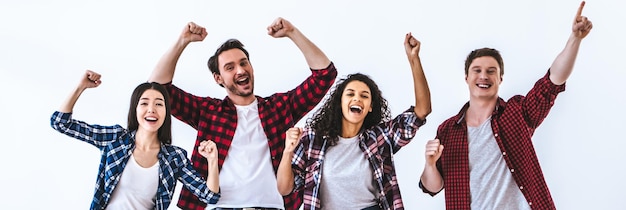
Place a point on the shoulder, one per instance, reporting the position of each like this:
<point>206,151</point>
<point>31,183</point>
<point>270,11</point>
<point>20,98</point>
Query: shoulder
<point>448,123</point>
<point>275,99</point>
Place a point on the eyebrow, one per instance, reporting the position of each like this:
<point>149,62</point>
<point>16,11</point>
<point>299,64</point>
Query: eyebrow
<point>349,89</point>
<point>479,67</point>
<point>149,99</point>
<point>232,62</point>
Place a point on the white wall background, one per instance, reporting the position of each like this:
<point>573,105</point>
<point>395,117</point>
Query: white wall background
<point>46,45</point>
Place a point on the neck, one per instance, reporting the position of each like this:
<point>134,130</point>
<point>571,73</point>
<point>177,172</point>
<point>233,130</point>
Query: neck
<point>350,129</point>
<point>479,111</point>
<point>146,140</point>
<point>241,100</point>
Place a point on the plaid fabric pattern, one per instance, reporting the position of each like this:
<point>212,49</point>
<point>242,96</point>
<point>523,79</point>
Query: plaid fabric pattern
<point>216,120</point>
<point>378,143</point>
<point>116,145</point>
<point>513,124</point>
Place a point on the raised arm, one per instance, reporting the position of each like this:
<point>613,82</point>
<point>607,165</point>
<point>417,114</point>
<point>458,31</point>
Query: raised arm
<point>315,58</point>
<point>89,80</point>
<point>420,85</point>
<point>564,63</point>
<point>164,70</point>
<point>285,176</point>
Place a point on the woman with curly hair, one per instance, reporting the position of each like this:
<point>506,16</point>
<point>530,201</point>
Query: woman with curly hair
<point>349,143</point>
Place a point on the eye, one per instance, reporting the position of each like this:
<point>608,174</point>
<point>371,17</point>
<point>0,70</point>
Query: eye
<point>244,63</point>
<point>365,96</point>
<point>159,104</point>
<point>228,68</point>
<point>143,103</point>
<point>350,94</point>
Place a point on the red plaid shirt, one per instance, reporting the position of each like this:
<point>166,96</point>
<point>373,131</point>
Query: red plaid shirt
<point>216,119</point>
<point>513,123</point>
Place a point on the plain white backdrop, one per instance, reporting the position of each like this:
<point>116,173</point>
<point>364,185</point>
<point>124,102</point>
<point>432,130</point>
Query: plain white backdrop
<point>45,46</point>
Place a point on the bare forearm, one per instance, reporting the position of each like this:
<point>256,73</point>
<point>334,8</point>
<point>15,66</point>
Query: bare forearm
<point>421,90</point>
<point>563,65</point>
<point>212,180</point>
<point>431,179</point>
<point>164,70</point>
<point>284,176</point>
<point>315,58</point>
<point>68,105</point>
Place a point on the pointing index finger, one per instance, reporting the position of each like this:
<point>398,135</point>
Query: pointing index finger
<point>580,9</point>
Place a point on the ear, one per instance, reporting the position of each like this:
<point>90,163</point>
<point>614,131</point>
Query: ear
<point>371,109</point>
<point>218,78</point>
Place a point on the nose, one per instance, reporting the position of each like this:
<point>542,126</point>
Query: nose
<point>482,75</point>
<point>355,99</point>
<point>239,70</point>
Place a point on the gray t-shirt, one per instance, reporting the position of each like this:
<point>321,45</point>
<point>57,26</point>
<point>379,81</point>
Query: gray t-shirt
<point>491,184</point>
<point>347,177</point>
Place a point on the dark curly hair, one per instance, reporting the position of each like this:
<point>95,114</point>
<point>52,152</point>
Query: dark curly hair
<point>326,121</point>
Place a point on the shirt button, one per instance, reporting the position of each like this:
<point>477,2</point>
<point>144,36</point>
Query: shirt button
<point>512,170</point>
<point>496,135</point>
<point>504,153</point>
<point>530,203</point>
<point>521,187</point>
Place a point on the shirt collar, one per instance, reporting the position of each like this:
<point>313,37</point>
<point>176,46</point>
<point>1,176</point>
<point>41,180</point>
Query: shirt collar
<point>460,117</point>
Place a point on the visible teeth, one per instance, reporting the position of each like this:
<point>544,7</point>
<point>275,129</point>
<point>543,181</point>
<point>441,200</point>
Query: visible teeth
<point>356,107</point>
<point>151,118</point>
<point>242,79</point>
<point>483,85</point>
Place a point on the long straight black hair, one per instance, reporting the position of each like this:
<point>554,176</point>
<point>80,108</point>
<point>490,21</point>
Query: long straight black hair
<point>165,131</point>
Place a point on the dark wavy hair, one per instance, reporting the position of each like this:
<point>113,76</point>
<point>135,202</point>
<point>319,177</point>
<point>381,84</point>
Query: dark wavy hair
<point>484,52</point>
<point>165,131</point>
<point>213,63</point>
<point>327,120</point>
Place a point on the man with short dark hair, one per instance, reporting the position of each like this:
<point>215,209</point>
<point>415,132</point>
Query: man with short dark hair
<point>249,130</point>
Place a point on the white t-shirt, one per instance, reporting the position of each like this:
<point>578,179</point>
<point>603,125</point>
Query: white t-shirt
<point>137,187</point>
<point>247,178</point>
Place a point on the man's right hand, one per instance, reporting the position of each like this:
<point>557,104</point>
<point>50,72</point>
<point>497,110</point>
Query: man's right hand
<point>433,151</point>
<point>193,33</point>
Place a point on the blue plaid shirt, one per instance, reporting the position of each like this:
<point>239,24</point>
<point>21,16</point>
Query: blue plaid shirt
<point>116,144</point>
<point>378,144</point>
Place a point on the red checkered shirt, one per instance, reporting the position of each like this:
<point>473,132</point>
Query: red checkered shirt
<point>216,119</point>
<point>513,123</point>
